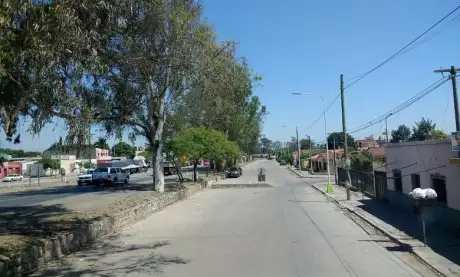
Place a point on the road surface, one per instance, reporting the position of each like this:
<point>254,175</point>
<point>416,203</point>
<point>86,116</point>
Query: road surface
<point>60,191</point>
<point>288,230</point>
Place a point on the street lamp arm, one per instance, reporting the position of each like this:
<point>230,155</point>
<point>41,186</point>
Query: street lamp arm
<point>325,129</point>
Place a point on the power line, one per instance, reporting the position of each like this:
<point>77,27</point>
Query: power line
<point>402,49</point>
<point>383,116</point>
<point>321,115</point>
<point>402,106</point>
<point>360,77</point>
<point>441,29</point>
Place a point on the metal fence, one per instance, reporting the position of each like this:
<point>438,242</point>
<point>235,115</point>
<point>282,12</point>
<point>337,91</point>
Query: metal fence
<point>366,182</point>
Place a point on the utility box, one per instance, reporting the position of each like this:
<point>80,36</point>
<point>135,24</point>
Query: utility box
<point>261,177</point>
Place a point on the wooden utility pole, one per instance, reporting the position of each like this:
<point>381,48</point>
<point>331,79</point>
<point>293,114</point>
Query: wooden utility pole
<point>298,147</point>
<point>453,73</point>
<point>335,166</point>
<point>345,139</point>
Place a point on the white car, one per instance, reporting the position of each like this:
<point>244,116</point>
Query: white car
<point>13,177</point>
<point>85,178</point>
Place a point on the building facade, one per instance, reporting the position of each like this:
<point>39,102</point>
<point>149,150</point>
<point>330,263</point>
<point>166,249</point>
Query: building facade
<point>424,164</point>
<point>93,153</point>
<point>8,168</point>
<point>366,143</point>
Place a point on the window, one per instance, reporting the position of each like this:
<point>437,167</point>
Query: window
<point>397,179</point>
<point>439,185</point>
<point>113,170</point>
<point>415,179</point>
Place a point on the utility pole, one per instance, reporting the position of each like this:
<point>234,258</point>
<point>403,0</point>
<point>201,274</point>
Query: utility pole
<point>335,166</point>
<point>345,139</point>
<point>298,147</point>
<point>309,154</point>
<point>453,72</point>
<point>386,125</point>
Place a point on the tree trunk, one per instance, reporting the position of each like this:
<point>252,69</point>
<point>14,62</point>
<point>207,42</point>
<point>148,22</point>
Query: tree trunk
<point>157,159</point>
<point>156,127</point>
<point>195,165</point>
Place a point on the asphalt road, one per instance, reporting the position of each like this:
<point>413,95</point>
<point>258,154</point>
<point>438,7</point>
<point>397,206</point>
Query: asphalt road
<point>287,230</point>
<point>60,191</point>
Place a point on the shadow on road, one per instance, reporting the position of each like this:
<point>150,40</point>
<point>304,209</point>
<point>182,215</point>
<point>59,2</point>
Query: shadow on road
<point>115,259</point>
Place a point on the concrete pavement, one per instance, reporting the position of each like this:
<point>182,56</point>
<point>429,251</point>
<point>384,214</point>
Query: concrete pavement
<point>289,229</point>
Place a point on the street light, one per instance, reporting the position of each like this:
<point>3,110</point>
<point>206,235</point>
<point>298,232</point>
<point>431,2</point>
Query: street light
<point>386,125</point>
<point>325,129</point>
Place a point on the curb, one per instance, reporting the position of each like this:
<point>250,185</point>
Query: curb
<point>46,250</point>
<point>382,230</point>
<point>306,177</point>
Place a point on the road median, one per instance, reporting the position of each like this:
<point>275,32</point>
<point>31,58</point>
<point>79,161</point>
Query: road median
<point>31,236</point>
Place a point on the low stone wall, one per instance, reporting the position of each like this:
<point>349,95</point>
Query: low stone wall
<point>46,250</point>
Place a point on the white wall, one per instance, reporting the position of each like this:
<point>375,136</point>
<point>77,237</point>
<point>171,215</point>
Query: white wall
<point>427,155</point>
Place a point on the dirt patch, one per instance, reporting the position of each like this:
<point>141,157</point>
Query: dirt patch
<point>25,226</point>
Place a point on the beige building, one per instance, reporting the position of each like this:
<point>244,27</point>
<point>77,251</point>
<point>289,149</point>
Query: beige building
<point>425,164</point>
<point>366,143</point>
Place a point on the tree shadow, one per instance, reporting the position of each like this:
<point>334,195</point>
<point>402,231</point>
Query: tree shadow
<point>443,241</point>
<point>114,258</point>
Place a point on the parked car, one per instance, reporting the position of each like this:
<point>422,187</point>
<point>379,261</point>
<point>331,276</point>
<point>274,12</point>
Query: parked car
<point>109,176</point>
<point>169,168</point>
<point>85,178</point>
<point>234,172</point>
<point>13,177</point>
<point>282,162</point>
<point>206,162</point>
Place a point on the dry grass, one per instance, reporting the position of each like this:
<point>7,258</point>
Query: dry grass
<point>23,226</point>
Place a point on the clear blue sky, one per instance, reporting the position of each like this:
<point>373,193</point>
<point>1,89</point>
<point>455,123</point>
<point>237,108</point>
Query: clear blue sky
<point>304,46</point>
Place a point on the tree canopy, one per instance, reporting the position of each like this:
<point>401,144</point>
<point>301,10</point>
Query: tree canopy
<point>422,129</point>
<point>101,143</point>
<point>49,163</point>
<point>305,144</point>
<point>339,140</point>
<point>19,153</point>
<point>402,133</point>
<point>149,67</point>
<point>204,143</point>
<point>123,149</point>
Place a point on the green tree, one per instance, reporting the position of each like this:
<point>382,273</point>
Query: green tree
<point>123,149</point>
<point>305,144</point>
<point>198,143</point>
<point>42,84</point>
<point>422,130</point>
<point>123,64</point>
<point>339,140</point>
<point>266,143</point>
<point>402,133</point>
<point>438,134</point>
<point>49,163</point>
<point>19,153</point>
<point>101,143</point>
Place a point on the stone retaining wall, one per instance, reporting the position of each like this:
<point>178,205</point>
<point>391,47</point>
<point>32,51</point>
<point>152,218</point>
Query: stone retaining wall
<point>46,250</point>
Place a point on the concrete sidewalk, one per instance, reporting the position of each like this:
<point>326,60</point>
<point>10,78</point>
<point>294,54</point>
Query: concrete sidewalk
<point>441,253</point>
<point>306,174</point>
